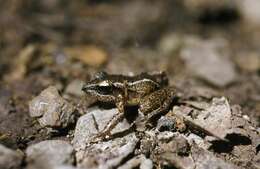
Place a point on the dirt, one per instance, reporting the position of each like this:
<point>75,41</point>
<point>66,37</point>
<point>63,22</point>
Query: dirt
<point>126,37</point>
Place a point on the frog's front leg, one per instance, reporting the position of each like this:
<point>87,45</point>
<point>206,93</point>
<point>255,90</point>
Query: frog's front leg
<point>120,104</point>
<point>106,132</point>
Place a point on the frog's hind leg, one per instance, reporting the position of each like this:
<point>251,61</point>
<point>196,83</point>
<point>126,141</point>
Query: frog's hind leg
<point>164,108</point>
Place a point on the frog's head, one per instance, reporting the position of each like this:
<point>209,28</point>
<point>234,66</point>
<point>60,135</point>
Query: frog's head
<point>101,87</point>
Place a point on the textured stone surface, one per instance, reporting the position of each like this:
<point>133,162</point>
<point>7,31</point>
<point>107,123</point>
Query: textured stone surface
<point>86,127</point>
<point>138,161</point>
<point>215,120</point>
<point>106,155</point>
<point>209,60</point>
<point>75,88</point>
<point>10,159</point>
<point>49,153</point>
<point>51,109</point>
<point>199,159</point>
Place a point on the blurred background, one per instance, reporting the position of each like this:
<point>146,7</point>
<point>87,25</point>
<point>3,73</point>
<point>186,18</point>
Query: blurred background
<point>208,48</point>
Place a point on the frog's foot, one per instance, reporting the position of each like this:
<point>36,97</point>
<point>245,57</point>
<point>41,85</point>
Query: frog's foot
<point>105,134</point>
<point>102,136</point>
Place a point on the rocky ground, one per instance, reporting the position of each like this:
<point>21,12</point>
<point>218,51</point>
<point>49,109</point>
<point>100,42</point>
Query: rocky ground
<point>209,49</point>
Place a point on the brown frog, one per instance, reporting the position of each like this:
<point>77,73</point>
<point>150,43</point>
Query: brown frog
<point>149,91</point>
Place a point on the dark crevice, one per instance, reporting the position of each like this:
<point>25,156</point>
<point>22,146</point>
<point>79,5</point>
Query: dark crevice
<point>97,2</point>
<point>257,149</point>
<point>220,16</point>
<point>220,146</point>
<point>237,139</point>
<point>168,167</point>
<point>66,130</point>
<point>131,113</point>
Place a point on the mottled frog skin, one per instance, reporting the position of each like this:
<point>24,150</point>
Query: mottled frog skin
<point>149,91</point>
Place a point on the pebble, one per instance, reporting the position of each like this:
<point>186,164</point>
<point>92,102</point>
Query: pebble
<point>146,164</point>
<point>64,167</point>
<point>10,159</point>
<point>89,55</point>
<point>170,43</point>
<point>193,138</point>
<point>208,59</point>
<point>5,97</point>
<point>216,119</point>
<point>86,127</point>
<point>248,61</point>
<point>198,158</point>
<point>166,124</point>
<point>51,109</point>
<point>136,161</point>
<point>177,144</point>
<point>250,11</point>
<point>203,159</point>
<point>19,68</point>
<point>106,155</point>
<point>74,88</point>
<point>49,154</point>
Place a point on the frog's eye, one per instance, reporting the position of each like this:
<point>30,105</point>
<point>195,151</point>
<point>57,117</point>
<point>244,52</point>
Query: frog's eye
<point>101,75</point>
<point>104,83</point>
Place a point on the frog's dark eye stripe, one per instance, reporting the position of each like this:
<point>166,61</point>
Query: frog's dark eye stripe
<point>105,90</point>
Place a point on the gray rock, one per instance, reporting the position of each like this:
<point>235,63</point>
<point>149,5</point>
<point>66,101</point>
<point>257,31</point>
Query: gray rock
<point>177,144</point>
<point>248,61</point>
<point>170,43</point>
<point>136,161</point>
<point>250,11</point>
<point>204,159</point>
<point>165,123</point>
<point>92,123</point>
<point>74,88</point>
<point>107,155</point>
<point>9,159</point>
<point>208,59</point>
<point>146,164</point>
<point>64,167</point>
<point>193,138</point>
<point>198,158</point>
<point>51,109</point>
<point>49,153</point>
<point>214,121</point>
<point>5,97</point>
<point>217,118</point>
<point>218,121</point>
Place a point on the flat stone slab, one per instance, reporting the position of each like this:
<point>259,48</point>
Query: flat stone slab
<point>49,153</point>
<point>90,124</point>
<point>209,60</point>
<point>107,155</point>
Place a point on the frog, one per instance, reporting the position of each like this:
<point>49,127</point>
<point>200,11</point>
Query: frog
<point>149,91</point>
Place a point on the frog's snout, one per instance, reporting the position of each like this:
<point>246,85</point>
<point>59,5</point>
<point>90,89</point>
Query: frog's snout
<point>88,87</point>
